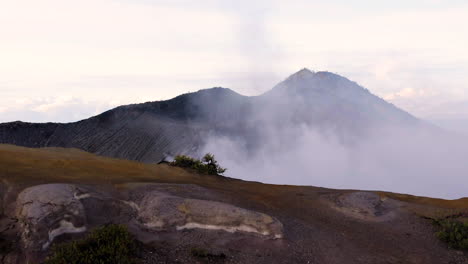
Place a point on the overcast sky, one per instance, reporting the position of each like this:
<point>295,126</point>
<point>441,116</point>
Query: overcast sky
<point>66,60</point>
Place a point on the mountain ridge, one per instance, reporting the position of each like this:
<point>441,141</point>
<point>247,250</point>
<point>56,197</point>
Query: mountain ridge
<point>149,131</point>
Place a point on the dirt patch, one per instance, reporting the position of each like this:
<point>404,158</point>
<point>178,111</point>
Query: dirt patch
<point>366,206</point>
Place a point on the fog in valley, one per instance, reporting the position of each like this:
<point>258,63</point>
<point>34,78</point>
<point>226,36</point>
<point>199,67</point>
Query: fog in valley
<point>305,134</point>
<point>396,160</point>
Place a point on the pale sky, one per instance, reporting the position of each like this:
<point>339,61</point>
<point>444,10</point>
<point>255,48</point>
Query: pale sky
<point>64,60</point>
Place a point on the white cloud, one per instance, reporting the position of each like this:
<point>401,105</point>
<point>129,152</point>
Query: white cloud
<point>53,109</point>
<point>159,49</point>
<point>406,93</point>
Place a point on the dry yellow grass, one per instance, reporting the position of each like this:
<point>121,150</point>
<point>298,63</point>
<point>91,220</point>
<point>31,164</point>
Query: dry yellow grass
<point>25,165</point>
<point>28,166</point>
<point>453,204</point>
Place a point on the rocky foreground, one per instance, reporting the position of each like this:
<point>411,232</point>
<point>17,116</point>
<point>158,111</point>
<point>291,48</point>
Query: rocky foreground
<point>50,196</point>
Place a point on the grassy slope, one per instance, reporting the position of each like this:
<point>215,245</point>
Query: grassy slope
<point>26,166</point>
<point>310,223</point>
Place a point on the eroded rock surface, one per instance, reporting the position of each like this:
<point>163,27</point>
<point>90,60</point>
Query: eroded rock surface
<point>365,206</point>
<point>160,211</point>
<point>47,211</point>
<point>43,213</point>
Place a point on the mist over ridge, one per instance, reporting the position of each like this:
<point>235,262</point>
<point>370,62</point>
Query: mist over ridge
<point>314,128</point>
<point>321,129</point>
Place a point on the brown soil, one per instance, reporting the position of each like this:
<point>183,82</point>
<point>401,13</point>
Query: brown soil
<point>320,225</point>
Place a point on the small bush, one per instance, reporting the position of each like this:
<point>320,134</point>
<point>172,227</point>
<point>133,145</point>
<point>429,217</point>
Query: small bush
<point>208,164</point>
<point>184,161</point>
<point>111,244</point>
<point>203,253</point>
<point>453,232</point>
<point>199,252</point>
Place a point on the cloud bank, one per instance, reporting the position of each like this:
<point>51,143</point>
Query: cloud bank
<point>393,159</point>
<point>53,109</point>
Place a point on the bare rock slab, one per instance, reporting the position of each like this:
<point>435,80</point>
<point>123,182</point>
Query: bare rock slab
<point>47,211</point>
<point>161,211</point>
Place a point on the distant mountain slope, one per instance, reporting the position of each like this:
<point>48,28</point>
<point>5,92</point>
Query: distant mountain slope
<point>150,131</point>
<point>327,91</point>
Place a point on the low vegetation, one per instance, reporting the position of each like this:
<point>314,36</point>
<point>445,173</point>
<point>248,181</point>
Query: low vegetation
<point>203,253</point>
<point>199,252</point>
<point>207,165</point>
<point>453,232</point>
<point>111,244</point>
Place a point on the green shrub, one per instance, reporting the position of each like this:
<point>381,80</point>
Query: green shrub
<point>208,164</point>
<point>453,232</point>
<point>183,161</point>
<point>111,244</point>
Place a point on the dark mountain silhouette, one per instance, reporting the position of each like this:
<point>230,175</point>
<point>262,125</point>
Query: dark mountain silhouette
<point>150,131</point>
